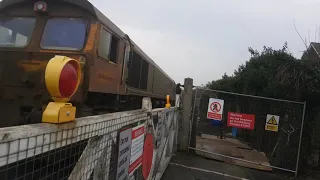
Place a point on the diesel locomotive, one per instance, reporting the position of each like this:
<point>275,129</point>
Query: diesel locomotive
<point>116,73</point>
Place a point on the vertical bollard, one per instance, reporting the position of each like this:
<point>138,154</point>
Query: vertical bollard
<point>168,105</point>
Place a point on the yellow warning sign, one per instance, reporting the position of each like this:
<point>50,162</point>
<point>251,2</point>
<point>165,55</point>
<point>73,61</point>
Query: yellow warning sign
<point>270,127</point>
<point>272,123</point>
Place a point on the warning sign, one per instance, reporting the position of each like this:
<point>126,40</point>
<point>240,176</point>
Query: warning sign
<point>272,123</point>
<point>215,109</point>
<point>239,120</point>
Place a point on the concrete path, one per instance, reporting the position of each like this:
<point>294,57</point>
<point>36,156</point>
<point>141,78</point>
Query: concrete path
<point>191,167</point>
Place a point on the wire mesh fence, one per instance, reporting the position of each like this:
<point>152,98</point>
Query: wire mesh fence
<point>252,131</point>
<point>85,149</point>
<point>166,138</point>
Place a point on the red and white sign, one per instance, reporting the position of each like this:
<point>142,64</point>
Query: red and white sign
<point>239,120</point>
<point>215,109</point>
<point>136,147</point>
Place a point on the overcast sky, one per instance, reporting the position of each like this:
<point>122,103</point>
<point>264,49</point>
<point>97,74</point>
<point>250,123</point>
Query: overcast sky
<point>202,39</point>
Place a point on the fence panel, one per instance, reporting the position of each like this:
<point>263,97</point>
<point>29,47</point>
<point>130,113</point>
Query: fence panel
<point>88,148</point>
<point>254,131</point>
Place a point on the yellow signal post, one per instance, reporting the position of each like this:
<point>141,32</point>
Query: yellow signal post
<point>168,105</point>
<point>62,77</point>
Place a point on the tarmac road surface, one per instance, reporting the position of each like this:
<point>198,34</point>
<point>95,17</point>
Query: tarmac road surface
<point>191,167</point>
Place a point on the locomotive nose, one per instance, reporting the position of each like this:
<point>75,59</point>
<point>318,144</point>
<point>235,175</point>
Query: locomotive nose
<point>29,79</point>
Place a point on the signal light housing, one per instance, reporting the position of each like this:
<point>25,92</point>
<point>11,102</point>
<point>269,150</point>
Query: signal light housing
<point>62,77</point>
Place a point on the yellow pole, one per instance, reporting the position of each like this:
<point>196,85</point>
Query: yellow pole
<point>168,105</point>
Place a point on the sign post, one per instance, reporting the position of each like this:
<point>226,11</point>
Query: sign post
<point>215,110</point>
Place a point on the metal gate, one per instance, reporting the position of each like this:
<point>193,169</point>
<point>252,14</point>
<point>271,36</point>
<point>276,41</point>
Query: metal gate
<point>245,130</point>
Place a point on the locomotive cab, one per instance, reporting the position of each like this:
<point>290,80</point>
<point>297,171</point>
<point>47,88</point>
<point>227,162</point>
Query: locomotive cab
<point>31,33</point>
<point>116,73</point>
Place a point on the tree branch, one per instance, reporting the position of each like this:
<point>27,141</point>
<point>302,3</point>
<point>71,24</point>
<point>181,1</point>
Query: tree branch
<point>294,24</point>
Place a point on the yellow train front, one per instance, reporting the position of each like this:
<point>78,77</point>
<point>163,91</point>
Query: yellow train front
<point>116,73</point>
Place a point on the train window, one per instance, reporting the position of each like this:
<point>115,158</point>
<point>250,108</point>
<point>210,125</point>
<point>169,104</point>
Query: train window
<point>64,34</point>
<point>144,74</point>
<point>114,49</point>
<point>138,72</point>
<point>104,44</point>
<point>126,56</point>
<point>108,46</point>
<point>16,32</point>
<point>126,59</point>
<point>134,70</point>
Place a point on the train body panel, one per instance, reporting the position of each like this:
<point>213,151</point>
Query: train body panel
<point>116,73</point>
<point>106,69</point>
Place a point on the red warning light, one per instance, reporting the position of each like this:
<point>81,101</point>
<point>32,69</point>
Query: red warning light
<point>62,77</point>
<point>68,79</point>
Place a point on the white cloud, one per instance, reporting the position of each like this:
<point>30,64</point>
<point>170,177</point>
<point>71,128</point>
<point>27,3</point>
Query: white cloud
<point>204,39</point>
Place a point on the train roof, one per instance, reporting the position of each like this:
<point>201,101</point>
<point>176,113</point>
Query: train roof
<point>85,4</point>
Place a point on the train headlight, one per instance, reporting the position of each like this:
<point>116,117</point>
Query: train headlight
<point>40,6</point>
<point>62,77</point>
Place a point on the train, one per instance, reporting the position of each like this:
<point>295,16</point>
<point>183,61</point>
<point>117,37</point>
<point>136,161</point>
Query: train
<point>115,73</point>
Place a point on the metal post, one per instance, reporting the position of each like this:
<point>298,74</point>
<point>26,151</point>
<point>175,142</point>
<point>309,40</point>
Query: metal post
<point>300,139</point>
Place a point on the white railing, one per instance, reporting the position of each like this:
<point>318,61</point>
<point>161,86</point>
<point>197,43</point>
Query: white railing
<point>89,147</point>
